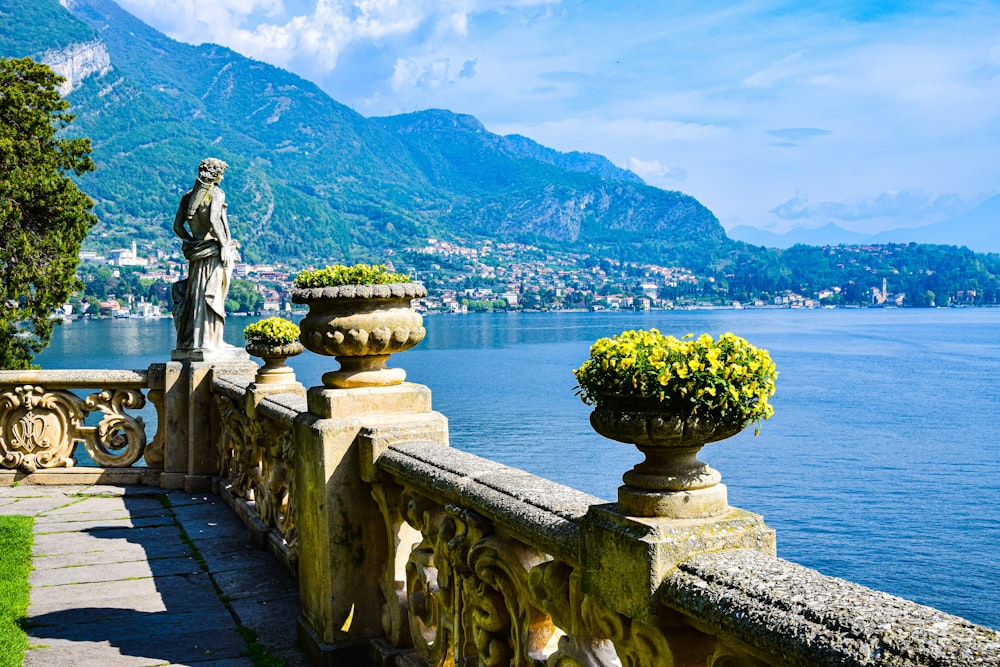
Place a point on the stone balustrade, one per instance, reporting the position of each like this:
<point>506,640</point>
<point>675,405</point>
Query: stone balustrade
<point>409,552</point>
<point>42,420</point>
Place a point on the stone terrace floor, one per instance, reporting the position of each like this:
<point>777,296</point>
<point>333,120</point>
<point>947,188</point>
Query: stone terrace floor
<point>137,576</point>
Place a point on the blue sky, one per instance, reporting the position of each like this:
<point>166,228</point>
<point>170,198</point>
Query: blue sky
<point>774,114</point>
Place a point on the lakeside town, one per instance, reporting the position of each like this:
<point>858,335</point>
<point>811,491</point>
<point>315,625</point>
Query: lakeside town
<point>460,278</point>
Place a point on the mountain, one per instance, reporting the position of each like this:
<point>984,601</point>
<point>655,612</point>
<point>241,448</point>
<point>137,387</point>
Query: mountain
<point>310,179</point>
<point>978,230</point>
<point>826,235</point>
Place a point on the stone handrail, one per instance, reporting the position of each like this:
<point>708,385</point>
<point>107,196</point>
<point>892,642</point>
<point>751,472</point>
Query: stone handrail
<point>775,609</point>
<point>41,420</point>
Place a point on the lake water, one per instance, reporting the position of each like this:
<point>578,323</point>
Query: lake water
<point>881,464</point>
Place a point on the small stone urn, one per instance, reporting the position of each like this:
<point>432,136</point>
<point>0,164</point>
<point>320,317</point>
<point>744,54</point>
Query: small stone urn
<point>671,482</point>
<point>275,370</point>
<point>361,326</point>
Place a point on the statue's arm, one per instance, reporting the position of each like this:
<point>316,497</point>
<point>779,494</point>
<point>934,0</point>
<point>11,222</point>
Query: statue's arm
<point>220,225</point>
<point>180,219</point>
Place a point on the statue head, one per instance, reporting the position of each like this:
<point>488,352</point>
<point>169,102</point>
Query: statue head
<point>210,170</point>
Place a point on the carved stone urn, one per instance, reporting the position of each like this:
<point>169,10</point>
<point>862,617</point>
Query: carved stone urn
<point>361,326</point>
<point>274,370</point>
<point>671,482</point>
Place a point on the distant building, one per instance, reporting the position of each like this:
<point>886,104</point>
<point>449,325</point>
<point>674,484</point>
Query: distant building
<point>126,257</point>
<point>91,256</point>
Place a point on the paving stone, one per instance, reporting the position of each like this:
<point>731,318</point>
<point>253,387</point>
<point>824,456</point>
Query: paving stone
<point>215,530</point>
<point>84,654</point>
<point>47,525</point>
<point>155,540</point>
<point>35,506</point>
<point>131,506</point>
<point>274,621</point>
<point>176,592</point>
<point>206,513</point>
<point>222,556</point>
<point>123,645</point>
<point>115,585</point>
<point>38,491</point>
<point>137,595</point>
<point>123,554</point>
<point>107,490</point>
<point>180,499</point>
<point>251,583</point>
<point>168,637</point>
<point>87,574</point>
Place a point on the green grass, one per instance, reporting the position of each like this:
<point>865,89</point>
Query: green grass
<point>257,653</point>
<point>15,565</point>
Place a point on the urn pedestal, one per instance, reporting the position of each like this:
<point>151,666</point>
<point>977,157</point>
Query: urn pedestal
<point>671,482</point>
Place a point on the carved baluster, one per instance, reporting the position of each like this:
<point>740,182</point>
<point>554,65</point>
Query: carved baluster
<point>273,489</point>
<point>642,645</point>
<point>235,448</point>
<point>119,439</point>
<point>431,603</point>
<point>401,539</point>
<point>509,626</point>
<point>286,513</point>
<point>154,450</point>
<point>556,589</point>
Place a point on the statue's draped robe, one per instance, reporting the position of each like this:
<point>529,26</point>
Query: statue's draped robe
<point>200,317</point>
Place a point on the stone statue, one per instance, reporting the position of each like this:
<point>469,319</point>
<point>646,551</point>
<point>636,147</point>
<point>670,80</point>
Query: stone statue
<point>200,299</point>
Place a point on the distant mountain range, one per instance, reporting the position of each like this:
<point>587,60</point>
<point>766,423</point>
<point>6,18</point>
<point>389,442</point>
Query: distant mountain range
<point>310,179</point>
<point>978,230</point>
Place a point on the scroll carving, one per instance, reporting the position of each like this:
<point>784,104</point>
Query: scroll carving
<point>119,439</point>
<point>235,454</point>
<point>40,428</point>
<point>256,455</point>
<point>274,484</point>
<point>455,589</point>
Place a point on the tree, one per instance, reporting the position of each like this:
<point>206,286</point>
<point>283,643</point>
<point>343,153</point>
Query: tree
<point>244,297</point>
<point>44,216</point>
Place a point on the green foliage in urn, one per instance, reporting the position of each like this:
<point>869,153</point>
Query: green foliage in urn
<point>359,274</point>
<point>272,331</point>
<point>726,381</point>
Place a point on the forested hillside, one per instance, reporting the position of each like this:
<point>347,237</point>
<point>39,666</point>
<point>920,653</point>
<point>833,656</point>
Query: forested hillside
<point>311,179</point>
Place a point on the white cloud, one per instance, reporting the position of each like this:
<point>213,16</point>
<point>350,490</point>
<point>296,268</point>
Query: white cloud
<point>655,172</point>
<point>907,208</point>
<point>318,34</point>
<point>426,73</point>
<point>624,129</point>
<point>774,73</point>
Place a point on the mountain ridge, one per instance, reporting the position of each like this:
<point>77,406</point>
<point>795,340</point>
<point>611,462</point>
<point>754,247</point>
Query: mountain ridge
<point>977,229</point>
<point>312,179</point>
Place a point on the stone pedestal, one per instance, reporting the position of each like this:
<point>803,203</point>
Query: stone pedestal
<point>342,544</point>
<point>190,457</point>
<point>624,558</point>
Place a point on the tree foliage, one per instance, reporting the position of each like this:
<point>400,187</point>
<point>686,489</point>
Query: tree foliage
<point>44,216</point>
